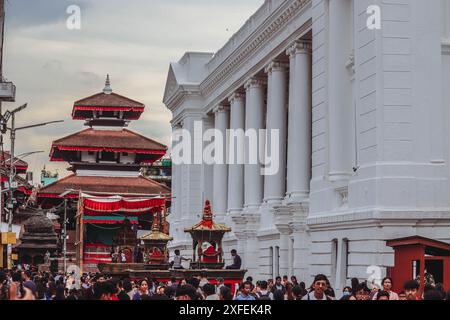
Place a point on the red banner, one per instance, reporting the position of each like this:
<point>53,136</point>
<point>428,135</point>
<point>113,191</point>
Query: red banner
<point>102,206</point>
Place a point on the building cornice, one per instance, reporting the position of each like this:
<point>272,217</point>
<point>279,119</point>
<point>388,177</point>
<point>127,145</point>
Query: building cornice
<point>378,218</point>
<point>267,30</point>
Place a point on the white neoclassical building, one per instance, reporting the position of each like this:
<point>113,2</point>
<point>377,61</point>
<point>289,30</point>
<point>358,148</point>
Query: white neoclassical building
<point>362,116</point>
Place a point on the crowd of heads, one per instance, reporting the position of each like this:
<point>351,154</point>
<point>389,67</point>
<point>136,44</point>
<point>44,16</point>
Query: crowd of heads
<point>28,285</point>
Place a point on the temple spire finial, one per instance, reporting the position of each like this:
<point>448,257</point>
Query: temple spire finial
<point>107,89</point>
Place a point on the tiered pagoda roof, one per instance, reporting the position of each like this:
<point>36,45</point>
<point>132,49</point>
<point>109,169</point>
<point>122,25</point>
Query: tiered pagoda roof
<point>131,186</point>
<point>107,108</point>
<point>116,141</point>
<point>106,161</point>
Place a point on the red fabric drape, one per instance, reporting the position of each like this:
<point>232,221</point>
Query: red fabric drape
<point>106,149</point>
<point>122,205</point>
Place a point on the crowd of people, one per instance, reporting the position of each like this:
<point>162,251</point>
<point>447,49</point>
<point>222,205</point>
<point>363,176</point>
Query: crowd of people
<point>30,285</point>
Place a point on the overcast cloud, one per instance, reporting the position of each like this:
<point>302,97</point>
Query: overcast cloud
<point>134,41</point>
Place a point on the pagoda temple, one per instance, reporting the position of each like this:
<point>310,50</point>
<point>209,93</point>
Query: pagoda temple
<point>106,160</point>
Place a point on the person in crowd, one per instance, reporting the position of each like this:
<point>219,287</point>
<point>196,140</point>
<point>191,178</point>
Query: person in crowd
<point>383,295</point>
<point>319,287</point>
<point>347,298</point>
<point>294,281</point>
<point>278,295</point>
<point>347,291</point>
<point>270,284</point>
<point>263,293</point>
<point>297,292</point>
<point>203,279</point>
<point>245,292</point>
<point>220,284</point>
<point>177,260</point>
<point>122,293</point>
<point>143,290</point>
<point>60,293</point>
<point>237,262</point>
<point>411,289</point>
<point>173,283</point>
<point>285,280</point>
<point>104,290</point>
<point>278,285</point>
<point>329,291</point>
<point>354,284</point>
<point>362,292</point>
<point>225,293</point>
<point>387,286</point>
<point>440,287</point>
<point>289,294</point>
<point>402,296</point>
<point>433,295</point>
<point>4,289</point>
<point>210,292</point>
<point>28,283</point>
<point>186,292</point>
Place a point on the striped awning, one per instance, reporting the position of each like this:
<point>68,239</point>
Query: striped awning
<point>109,219</point>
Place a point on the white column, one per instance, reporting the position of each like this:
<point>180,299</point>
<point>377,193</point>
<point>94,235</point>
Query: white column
<point>254,121</point>
<point>236,168</point>
<point>275,182</point>
<point>220,202</point>
<point>299,132</point>
<point>207,169</point>
<point>340,102</point>
<point>176,183</point>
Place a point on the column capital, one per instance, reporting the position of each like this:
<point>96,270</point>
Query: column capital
<point>221,109</point>
<point>177,125</point>
<point>299,47</point>
<point>255,82</point>
<point>276,66</point>
<point>236,96</point>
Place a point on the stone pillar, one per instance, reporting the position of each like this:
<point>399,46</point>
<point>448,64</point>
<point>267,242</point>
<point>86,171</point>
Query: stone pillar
<point>220,202</point>
<point>177,176</point>
<point>299,131</point>
<point>283,216</point>
<point>340,92</point>
<point>237,146</point>
<point>207,169</point>
<point>301,244</point>
<point>275,181</point>
<point>254,121</point>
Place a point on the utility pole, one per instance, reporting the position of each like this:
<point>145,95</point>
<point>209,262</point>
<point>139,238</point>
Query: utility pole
<point>65,237</point>
<point>12,169</point>
<point>2,28</point>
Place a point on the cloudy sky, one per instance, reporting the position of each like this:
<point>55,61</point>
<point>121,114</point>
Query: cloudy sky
<point>134,41</point>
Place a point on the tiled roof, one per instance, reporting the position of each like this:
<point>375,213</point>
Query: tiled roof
<point>6,156</point>
<point>106,185</point>
<point>119,139</point>
<point>108,100</point>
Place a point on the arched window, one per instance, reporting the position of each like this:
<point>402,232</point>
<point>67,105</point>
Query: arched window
<point>334,260</point>
<point>277,261</point>
<point>271,266</point>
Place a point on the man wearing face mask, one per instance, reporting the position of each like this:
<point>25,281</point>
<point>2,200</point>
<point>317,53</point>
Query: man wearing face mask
<point>347,291</point>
